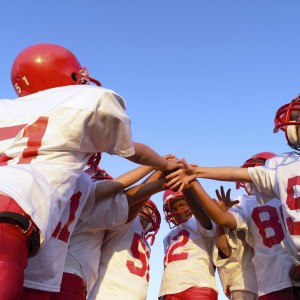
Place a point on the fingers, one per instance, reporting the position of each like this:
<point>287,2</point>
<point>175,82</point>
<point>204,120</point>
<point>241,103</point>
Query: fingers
<point>168,156</point>
<point>184,162</point>
<point>235,202</point>
<point>176,186</point>
<point>218,195</point>
<point>172,181</point>
<point>173,174</point>
<point>228,193</point>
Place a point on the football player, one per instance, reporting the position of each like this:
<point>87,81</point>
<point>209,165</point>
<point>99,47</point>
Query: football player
<point>278,178</point>
<point>125,254</point>
<point>188,266</point>
<point>264,230</point>
<point>98,197</point>
<point>47,137</point>
<point>86,243</point>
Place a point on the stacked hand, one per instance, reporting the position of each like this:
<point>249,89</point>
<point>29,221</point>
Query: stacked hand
<point>180,178</point>
<point>173,163</point>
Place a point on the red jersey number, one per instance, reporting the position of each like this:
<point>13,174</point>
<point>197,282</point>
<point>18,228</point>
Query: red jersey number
<point>173,251</point>
<point>33,132</point>
<point>63,233</point>
<point>271,222</point>
<point>142,256</point>
<point>293,203</point>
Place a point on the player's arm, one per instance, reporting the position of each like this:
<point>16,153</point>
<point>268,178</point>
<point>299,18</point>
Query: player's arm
<point>196,208</point>
<point>222,243</point>
<point>217,215</point>
<point>224,203</point>
<point>145,155</point>
<point>138,195</point>
<point>106,188</point>
<point>223,173</point>
<point>189,172</point>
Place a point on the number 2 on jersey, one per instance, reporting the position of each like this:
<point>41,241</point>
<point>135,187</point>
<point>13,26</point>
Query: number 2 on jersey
<point>179,240</point>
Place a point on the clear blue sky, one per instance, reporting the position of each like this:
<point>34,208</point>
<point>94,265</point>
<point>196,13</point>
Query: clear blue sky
<point>202,79</point>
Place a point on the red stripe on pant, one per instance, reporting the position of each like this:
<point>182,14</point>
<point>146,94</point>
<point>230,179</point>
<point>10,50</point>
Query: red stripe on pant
<point>72,288</point>
<point>193,293</point>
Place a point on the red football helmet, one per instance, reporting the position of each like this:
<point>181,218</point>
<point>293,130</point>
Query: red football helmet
<point>284,122</point>
<point>44,66</point>
<point>175,217</point>
<point>258,159</point>
<point>151,213</point>
<point>97,174</point>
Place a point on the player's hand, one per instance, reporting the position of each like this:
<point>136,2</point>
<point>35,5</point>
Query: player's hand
<point>173,163</point>
<point>224,199</point>
<point>177,180</point>
<point>295,273</point>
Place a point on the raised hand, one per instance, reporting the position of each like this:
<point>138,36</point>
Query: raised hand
<point>224,199</point>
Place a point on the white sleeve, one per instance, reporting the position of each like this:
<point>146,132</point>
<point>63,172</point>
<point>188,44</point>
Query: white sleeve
<point>109,127</point>
<point>263,181</point>
<point>207,232</point>
<point>109,212</point>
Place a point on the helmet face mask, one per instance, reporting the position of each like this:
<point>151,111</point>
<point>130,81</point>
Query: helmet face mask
<point>287,119</point>
<point>44,66</point>
<point>150,214</point>
<point>175,217</point>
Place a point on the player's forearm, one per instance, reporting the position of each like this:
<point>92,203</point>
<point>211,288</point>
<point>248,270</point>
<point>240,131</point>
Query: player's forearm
<point>154,176</point>
<point>144,191</point>
<point>222,242</point>
<point>133,176</point>
<point>144,155</point>
<point>216,214</point>
<point>223,173</point>
<point>196,208</point>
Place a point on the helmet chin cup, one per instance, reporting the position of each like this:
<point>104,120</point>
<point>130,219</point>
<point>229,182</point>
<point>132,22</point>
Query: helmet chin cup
<point>292,136</point>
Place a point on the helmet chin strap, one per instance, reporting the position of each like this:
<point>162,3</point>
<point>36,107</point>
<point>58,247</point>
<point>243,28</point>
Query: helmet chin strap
<point>292,136</point>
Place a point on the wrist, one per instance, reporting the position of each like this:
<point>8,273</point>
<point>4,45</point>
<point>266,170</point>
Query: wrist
<point>163,166</point>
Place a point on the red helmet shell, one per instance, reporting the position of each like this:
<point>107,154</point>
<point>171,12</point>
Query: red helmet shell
<point>44,66</point>
<point>283,121</point>
<point>258,159</point>
<point>98,174</point>
<point>151,212</point>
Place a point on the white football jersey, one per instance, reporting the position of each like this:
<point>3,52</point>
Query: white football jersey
<point>46,139</point>
<point>45,270</point>
<point>237,271</point>
<point>124,264</point>
<point>188,260</point>
<point>264,224</point>
<point>280,178</point>
<point>87,238</point>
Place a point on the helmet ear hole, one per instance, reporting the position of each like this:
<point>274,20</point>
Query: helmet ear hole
<point>74,77</point>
